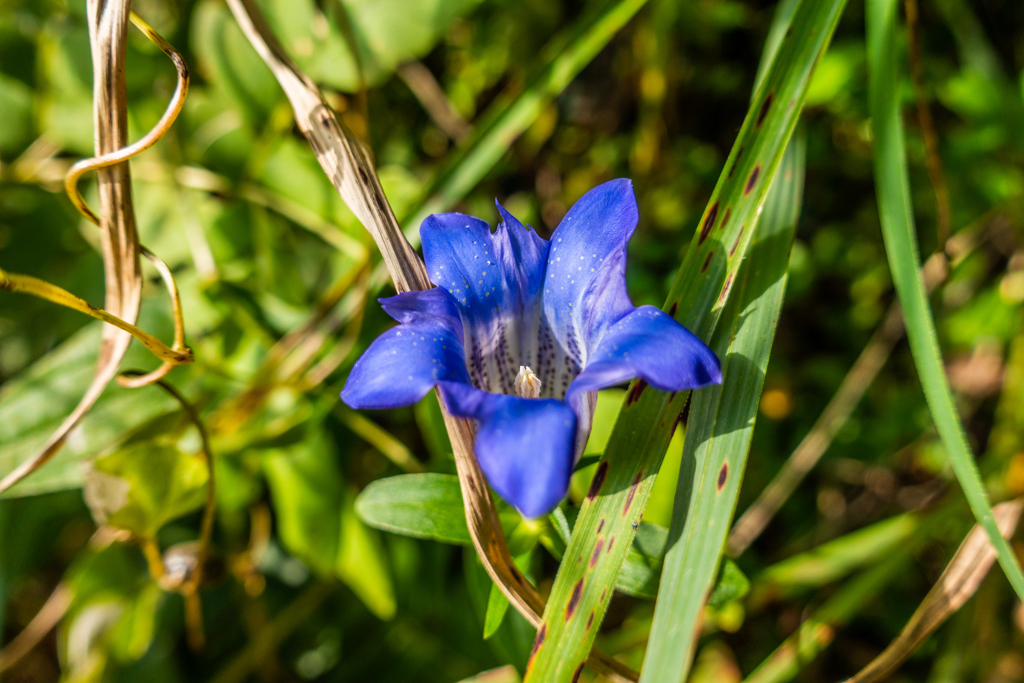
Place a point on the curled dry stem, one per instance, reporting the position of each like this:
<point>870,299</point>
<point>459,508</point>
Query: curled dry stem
<point>105,160</point>
<point>189,588</point>
<point>179,327</point>
<point>147,141</point>
<point>26,284</point>
<point>108,25</point>
<point>120,241</point>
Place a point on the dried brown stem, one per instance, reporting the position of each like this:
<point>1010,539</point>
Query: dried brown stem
<point>52,612</point>
<point>960,580</point>
<point>350,168</point>
<point>125,153</point>
<point>426,89</point>
<point>108,25</point>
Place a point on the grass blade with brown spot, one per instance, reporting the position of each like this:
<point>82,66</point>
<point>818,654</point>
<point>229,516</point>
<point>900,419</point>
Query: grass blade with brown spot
<point>645,425</point>
<point>719,430</point>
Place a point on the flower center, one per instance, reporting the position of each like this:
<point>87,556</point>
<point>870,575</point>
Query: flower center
<point>527,384</point>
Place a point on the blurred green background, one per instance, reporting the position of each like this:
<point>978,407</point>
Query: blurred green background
<point>279,300</point>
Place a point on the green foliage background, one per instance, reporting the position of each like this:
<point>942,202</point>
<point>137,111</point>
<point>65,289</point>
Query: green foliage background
<point>235,202</point>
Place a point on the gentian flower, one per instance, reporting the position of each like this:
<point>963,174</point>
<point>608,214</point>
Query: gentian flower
<point>519,335</point>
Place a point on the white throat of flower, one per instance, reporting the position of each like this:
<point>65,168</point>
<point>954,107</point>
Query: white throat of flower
<point>527,384</point>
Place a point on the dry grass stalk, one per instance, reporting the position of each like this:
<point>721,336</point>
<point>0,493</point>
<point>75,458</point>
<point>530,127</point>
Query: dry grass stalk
<point>960,580</point>
<point>53,610</point>
<point>108,26</point>
<point>867,366</point>
<point>348,164</point>
<point>427,90</point>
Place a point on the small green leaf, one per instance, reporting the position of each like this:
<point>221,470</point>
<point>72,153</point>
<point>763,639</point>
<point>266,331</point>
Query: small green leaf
<point>16,113</point>
<point>419,505</point>
<point>143,486</point>
<point>385,32</point>
<point>113,609</point>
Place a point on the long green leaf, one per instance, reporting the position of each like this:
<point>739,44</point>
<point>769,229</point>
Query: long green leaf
<point>627,473</point>
<point>613,507</point>
<point>896,216</point>
<point>720,427</point>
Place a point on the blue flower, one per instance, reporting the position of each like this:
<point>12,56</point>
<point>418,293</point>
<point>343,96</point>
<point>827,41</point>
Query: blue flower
<point>519,335</point>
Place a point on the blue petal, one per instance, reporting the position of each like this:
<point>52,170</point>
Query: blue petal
<point>494,282</point>
<point>650,344</point>
<point>521,254</point>
<point>460,258</point>
<point>403,364</point>
<point>525,446</point>
<point>585,283</point>
<point>419,305</point>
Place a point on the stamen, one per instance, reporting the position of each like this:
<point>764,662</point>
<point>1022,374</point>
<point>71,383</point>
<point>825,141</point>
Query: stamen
<point>527,384</point>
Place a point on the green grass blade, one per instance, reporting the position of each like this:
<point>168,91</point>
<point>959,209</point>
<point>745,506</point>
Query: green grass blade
<point>835,559</point>
<point>507,118</point>
<point>720,427</point>
<point>605,527</point>
<point>817,632</point>
<point>896,216</point>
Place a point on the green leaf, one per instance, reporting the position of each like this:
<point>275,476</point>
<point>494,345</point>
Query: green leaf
<point>113,609</point>
<point>419,505</point>
<point>144,486</point>
<point>732,584</point>
<point>362,565</point>
<point>896,217</point>
<point>16,113</point>
<point>307,490</point>
<point>386,33</point>
<point>35,403</point>
<point>317,520</point>
<point>645,425</point>
<point>227,59</point>
<point>497,606</point>
<point>721,426</point>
